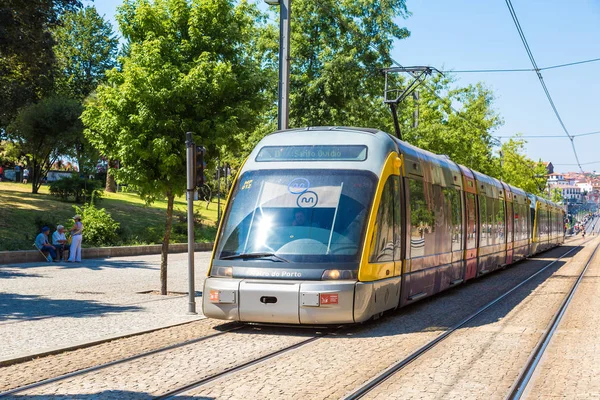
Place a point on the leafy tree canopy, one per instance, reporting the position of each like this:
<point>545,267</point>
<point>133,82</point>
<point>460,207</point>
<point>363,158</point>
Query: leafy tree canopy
<point>26,56</point>
<point>86,47</point>
<point>519,170</point>
<point>45,131</point>
<point>190,65</point>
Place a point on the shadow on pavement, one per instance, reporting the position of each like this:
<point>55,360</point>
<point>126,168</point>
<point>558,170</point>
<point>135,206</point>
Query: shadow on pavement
<point>10,274</point>
<point>107,394</point>
<point>17,307</point>
<point>96,264</point>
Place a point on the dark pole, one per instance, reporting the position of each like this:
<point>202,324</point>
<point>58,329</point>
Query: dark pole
<point>191,183</point>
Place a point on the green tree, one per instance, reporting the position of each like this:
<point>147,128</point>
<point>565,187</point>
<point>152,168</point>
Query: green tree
<point>556,195</point>
<point>519,170</point>
<point>86,47</point>
<point>190,65</point>
<point>45,132</point>
<point>27,61</point>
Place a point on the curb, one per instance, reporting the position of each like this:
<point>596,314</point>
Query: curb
<point>28,357</point>
<point>24,256</point>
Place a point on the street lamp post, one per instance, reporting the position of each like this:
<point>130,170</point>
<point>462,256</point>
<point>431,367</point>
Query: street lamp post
<point>283,111</point>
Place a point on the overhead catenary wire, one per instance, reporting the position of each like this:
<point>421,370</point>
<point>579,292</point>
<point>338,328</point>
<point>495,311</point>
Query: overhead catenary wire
<point>549,136</point>
<point>515,19</point>
<point>468,71</point>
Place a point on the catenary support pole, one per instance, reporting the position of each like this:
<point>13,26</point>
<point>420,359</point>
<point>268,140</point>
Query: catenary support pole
<point>218,192</point>
<point>191,183</point>
<point>284,64</point>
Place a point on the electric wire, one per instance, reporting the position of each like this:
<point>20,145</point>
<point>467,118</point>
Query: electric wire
<point>469,71</point>
<point>550,136</point>
<point>541,78</point>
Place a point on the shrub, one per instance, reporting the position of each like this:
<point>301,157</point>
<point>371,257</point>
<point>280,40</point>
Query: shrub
<point>76,188</point>
<point>99,228</point>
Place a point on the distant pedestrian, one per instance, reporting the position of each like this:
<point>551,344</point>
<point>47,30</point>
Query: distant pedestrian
<point>41,241</point>
<point>76,238</point>
<point>1,173</point>
<point>59,241</point>
<point>17,173</point>
<point>25,175</point>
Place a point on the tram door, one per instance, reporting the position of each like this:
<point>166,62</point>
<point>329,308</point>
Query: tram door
<point>472,235</point>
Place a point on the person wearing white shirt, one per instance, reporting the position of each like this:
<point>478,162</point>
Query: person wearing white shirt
<point>59,240</point>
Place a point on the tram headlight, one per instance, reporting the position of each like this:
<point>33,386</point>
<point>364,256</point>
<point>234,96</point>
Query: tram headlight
<point>335,274</point>
<point>224,272</point>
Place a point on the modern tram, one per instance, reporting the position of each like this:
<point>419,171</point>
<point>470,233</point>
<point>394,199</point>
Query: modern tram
<point>335,225</point>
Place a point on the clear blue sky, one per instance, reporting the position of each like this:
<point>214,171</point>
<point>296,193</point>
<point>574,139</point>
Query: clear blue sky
<point>469,34</point>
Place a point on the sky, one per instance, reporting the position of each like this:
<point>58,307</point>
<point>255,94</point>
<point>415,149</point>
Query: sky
<point>480,34</point>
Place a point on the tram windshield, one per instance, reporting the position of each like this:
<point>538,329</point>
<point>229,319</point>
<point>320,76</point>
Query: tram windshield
<point>300,216</point>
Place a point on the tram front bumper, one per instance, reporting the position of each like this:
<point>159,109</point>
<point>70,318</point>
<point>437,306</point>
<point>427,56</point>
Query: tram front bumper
<point>277,301</point>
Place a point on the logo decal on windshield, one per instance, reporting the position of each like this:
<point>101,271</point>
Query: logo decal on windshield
<point>298,186</point>
<point>307,199</point>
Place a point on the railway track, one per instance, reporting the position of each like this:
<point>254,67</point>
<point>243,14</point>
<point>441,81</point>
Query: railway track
<point>398,366</point>
<point>238,368</point>
<point>521,384</point>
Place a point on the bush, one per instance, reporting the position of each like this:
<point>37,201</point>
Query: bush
<point>99,228</point>
<point>76,188</point>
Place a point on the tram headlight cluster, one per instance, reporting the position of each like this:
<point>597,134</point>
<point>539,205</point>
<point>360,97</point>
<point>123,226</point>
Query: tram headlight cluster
<point>338,274</point>
<point>224,272</point>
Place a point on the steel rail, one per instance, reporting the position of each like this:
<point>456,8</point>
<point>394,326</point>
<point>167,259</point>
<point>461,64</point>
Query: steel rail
<point>238,368</point>
<point>394,368</point>
<point>115,362</point>
<point>520,385</point>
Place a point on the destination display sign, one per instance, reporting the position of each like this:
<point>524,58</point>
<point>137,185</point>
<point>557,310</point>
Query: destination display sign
<point>313,153</point>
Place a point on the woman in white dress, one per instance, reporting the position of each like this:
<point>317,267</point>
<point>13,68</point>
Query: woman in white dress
<point>76,237</point>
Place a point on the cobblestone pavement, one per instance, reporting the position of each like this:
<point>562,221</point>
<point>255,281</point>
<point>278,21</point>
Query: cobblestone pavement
<point>336,365</point>
<point>39,369</point>
<point>483,360</point>
<point>156,374</point>
<point>570,366</point>
<point>47,306</point>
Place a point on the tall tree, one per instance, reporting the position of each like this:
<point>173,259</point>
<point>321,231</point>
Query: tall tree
<point>191,65</point>
<point>45,132</point>
<point>521,171</point>
<point>26,56</point>
<point>86,47</point>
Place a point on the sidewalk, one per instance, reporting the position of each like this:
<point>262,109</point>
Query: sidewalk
<point>49,306</point>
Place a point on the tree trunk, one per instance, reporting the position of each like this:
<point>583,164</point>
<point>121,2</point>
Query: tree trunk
<point>111,185</point>
<point>164,253</point>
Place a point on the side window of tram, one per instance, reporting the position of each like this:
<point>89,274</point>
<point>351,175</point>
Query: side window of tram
<point>483,221</point>
<point>471,221</point>
<point>422,219</point>
<point>382,245</point>
<point>500,222</point>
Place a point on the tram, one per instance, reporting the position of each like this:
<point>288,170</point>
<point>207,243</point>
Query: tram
<point>335,225</point>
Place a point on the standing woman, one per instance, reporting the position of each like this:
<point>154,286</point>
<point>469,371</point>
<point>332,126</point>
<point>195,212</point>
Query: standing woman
<point>76,237</point>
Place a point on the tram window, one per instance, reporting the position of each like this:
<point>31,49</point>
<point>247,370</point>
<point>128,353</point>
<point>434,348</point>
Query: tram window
<point>500,222</point>
<point>471,221</point>
<point>533,224</point>
<point>306,216</point>
<point>455,218</point>
<point>483,221</point>
<point>382,246</point>
<point>443,214</point>
<point>509,217</point>
<point>422,220</point>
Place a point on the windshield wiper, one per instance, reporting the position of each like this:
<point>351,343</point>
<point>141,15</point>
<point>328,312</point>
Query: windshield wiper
<point>254,255</point>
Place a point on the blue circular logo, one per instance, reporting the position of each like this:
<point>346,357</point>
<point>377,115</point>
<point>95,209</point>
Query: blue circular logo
<point>298,186</point>
<point>307,199</point>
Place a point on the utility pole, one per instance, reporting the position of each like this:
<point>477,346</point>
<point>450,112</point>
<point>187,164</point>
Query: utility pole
<point>191,189</point>
<point>283,111</point>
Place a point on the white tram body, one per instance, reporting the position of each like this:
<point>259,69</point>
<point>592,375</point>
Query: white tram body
<point>333,225</point>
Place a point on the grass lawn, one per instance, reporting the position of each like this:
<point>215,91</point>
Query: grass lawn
<point>21,212</point>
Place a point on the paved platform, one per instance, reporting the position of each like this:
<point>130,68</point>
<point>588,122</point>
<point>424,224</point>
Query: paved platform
<point>45,306</point>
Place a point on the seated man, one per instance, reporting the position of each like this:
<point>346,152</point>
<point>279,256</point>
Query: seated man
<point>41,241</point>
<point>59,241</point>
